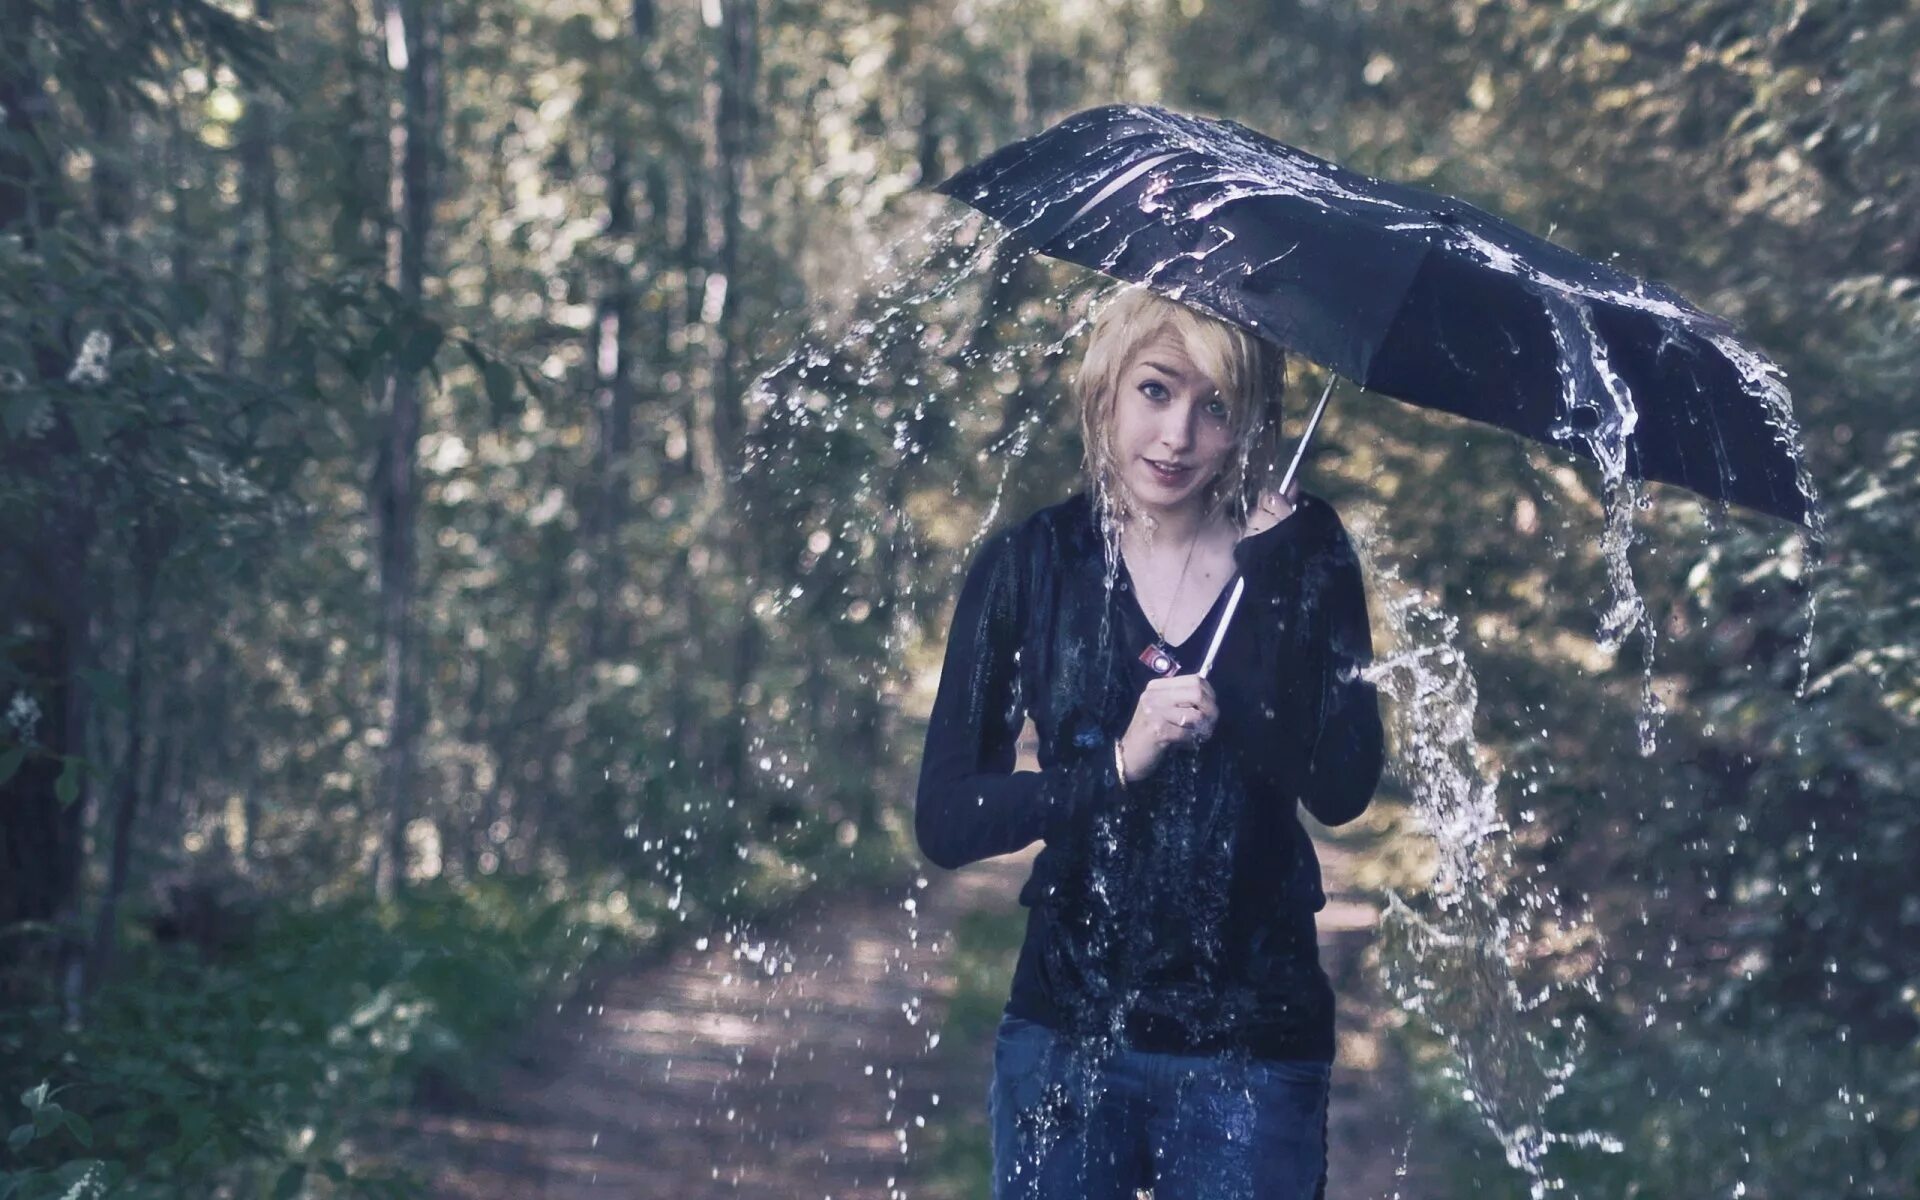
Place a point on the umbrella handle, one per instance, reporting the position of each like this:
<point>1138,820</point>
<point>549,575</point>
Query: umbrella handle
<point>1286,484</point>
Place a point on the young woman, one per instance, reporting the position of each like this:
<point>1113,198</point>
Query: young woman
<point>1170,1025</point>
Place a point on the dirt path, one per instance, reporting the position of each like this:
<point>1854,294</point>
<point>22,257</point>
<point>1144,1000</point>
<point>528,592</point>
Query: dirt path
<point>1373,1136</point>
<point>794,1064</point>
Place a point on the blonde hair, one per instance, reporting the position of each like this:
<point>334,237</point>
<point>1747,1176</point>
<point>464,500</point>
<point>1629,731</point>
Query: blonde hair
<point>1249,372</point>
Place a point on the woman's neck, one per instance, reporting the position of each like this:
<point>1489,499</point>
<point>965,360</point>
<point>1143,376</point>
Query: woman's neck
<point>1181,527</point>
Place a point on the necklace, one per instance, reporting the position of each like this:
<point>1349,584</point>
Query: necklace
<point>1157,654</point>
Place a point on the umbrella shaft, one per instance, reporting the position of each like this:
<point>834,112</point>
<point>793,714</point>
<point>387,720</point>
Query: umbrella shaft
<point>1313,423</point>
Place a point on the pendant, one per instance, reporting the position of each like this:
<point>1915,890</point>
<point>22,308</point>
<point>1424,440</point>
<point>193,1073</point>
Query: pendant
<point>1159,659</point>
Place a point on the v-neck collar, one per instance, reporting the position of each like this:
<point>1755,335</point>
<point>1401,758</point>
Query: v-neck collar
<point>1132,591</point>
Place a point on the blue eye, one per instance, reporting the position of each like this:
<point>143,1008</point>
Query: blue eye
<point>1221,405</point>
<point>1153,390</point>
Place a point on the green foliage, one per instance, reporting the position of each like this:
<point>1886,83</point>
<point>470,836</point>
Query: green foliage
<point>1747,881</point>
<point>260,1069</point>
<point>981,951</point>
<point>1774,1111</point>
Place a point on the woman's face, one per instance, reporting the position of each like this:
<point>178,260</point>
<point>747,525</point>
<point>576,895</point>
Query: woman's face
<point>1168,414</point>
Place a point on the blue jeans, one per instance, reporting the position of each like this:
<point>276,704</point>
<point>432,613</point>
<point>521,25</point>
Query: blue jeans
<point>1189,1127</point>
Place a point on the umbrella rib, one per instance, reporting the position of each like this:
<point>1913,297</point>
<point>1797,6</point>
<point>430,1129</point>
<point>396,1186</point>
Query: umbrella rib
<point>1119,181</point>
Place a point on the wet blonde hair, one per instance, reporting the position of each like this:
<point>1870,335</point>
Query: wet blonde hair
<point>1249,372</point>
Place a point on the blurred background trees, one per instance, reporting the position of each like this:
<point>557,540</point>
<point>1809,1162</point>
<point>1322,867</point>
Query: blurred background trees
<point>530,444</point>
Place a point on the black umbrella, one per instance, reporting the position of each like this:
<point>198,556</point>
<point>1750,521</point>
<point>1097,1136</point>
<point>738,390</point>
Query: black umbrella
<point>1406,292</point>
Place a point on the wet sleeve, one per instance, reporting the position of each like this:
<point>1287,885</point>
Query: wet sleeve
<point>1327,747</point>
<point>971,803</point>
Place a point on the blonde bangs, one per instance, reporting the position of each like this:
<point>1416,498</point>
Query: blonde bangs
<point>1249,372</point>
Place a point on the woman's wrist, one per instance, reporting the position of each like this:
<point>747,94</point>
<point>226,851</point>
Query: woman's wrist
<point>1120,761</point>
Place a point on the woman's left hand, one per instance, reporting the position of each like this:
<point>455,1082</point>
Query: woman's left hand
<point>1275,507</point>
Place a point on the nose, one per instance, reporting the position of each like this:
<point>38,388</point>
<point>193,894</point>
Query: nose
<point>1176,427</point>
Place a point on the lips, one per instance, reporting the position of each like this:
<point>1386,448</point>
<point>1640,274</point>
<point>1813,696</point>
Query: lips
<point>1166,476</point>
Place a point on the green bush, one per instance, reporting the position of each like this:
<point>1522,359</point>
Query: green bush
<point>250,1075</point>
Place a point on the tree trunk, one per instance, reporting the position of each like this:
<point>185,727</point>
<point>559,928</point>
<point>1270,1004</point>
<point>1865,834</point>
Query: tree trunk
<point>150,551</point>
<point>43,591</point>
<point>256,229</point>
<point>613,401</point>
<point>412,50</point>
<point>734,120</point>
<point>510,738</point>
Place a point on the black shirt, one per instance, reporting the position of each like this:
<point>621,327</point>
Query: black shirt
<point>1177,911</point>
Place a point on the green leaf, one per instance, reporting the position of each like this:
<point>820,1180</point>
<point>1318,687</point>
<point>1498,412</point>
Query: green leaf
<point>67,788</point>
<point>81,1131</point>
<point>84,420</point>
<point>10,761</point>
<point>381,346</point>
<point>499,380</point>
<point>333,1170</point>
<point>22,412</point>
<point>495,375</point>
<point>291,1181</point>
<point>194,1126</point>
<point>21,1135</point>
<point>423,342</point>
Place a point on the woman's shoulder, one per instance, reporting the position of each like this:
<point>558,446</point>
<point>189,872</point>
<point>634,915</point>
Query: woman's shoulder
<point>1042,536</point>
<point>1063,528</point>
<point>1320,512</point>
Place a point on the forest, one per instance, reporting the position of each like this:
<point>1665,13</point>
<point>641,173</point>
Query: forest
<point>483,485</point>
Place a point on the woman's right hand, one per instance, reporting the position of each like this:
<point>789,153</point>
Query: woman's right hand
<point>1179,710</point>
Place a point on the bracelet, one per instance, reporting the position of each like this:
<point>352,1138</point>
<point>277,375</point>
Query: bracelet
<point>1119,762</point>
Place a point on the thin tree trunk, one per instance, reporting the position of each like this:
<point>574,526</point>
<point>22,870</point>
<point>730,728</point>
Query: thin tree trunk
<point>279,276</point>
<point>256,229</point>
<point>42,590</point>
<point>359,232</point>
<point>510,737</point>
<point>413,50</point>
<point>163,778</point>
<point>613,400</point>
<point>693,242</point>
<point>473,735</point>
<point>685,719</point>
<point>734,120</point>
<point>150,552</point>
<point>871,729</point>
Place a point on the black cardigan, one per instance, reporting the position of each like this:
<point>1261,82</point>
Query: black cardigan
<point>1180,909</point>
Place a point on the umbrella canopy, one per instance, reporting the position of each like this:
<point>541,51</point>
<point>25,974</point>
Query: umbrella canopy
<point>1406,292</point>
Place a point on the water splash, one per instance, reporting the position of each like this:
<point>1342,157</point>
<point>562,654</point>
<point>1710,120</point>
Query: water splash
<point>1597,411</point>
<point>1456,966</point>
<point>881,393</point>
<point>1463,950</point>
